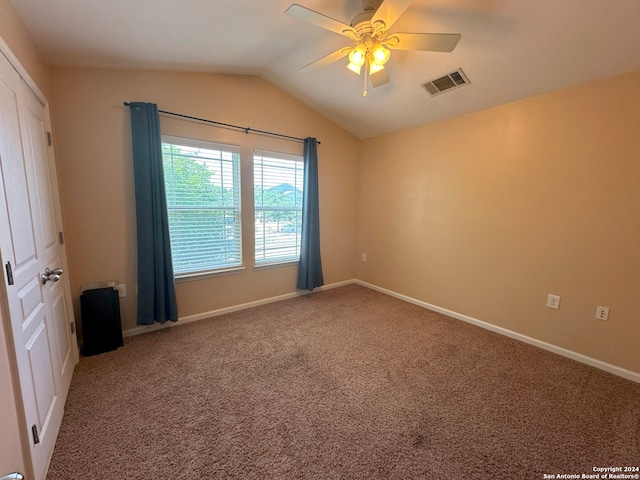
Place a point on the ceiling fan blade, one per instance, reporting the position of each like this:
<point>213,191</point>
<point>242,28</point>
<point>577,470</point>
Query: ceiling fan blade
<point>332,57</point>
<point>389,11</point>
<point>320,20</point>
<point>379,78</point>
<point>428,42</point>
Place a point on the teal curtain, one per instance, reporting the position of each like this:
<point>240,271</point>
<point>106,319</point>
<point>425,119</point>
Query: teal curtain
<point>156,282</point>
<point>310,265</point>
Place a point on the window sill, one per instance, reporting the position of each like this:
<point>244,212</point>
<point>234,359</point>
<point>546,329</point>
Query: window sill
<point>268,266</point>
<point>190,277</point>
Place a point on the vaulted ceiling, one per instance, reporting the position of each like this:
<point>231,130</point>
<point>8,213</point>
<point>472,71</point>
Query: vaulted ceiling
<point>510,49</point>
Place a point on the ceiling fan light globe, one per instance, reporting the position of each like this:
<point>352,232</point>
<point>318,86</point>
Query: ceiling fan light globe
<point>375,68</point>
<point>357,55</point>
<point>380,54</point>
<point>354,68</point>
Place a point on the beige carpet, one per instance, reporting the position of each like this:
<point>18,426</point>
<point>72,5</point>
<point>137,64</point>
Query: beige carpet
<point>342,384</point>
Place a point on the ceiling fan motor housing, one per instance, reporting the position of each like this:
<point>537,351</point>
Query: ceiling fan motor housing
<point>362,22</point>
<point>364,29</point>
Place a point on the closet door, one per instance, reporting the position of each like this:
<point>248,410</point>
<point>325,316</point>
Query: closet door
<point>31,250</point>
<point>37,145</point>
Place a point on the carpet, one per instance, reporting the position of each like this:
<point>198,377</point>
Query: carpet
<point>346,383</point>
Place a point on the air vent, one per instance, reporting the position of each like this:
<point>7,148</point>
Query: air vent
<point>451,81</point>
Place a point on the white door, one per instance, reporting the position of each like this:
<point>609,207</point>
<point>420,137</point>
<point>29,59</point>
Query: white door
<point>30,243</point>
<point>37,140</point>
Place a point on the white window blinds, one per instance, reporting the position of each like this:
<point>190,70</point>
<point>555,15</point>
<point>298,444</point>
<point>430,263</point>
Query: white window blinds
<point>202,182</point>
<point>278,188</point>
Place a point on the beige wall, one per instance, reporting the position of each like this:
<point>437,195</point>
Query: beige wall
<point>93,151</point>
<point>487,213</point>
<point>484,214</point>
<point>15,34</point>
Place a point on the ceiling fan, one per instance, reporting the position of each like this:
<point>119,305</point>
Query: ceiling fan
<point>369,31</point>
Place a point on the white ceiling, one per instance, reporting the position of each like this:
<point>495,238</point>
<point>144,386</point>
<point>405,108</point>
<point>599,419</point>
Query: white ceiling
<point>510,49</point>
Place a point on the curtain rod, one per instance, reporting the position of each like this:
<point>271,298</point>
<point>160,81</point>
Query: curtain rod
<point>238,127</point>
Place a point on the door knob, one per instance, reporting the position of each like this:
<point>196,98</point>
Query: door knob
<point>50,276</point>
<point>13,476</point>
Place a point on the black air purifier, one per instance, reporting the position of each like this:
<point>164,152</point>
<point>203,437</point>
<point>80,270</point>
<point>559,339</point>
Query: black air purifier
<point>101,327</point>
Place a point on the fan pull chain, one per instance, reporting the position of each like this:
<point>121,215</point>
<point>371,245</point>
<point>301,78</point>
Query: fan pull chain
<point>364,77</point>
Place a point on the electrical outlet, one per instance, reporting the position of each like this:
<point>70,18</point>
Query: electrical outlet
<point>364,257</point>
<point>122,290</point>
<point>602,313</point>
<point>553,301</point>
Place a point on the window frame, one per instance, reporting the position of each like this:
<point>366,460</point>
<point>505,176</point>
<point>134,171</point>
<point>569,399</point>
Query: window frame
<point>273,262</point>
<point>236,165</point>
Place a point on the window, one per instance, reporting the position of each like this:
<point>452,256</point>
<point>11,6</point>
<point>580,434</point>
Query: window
<point>202,183</point>
<point>278,184</point>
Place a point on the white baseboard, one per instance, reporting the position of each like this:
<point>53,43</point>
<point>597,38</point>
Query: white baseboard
<point>221,311</point>
<point>607,367</point>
